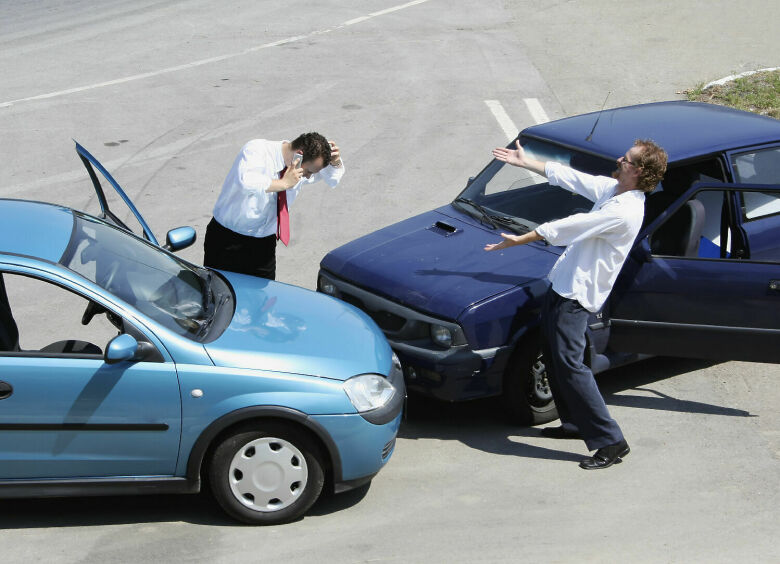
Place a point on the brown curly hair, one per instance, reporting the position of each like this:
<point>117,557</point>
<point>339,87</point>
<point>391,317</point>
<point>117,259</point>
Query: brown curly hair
<point>651,164</point>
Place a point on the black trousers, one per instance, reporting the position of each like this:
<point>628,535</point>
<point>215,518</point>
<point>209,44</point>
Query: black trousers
<point>225,249</point>
<point>580,404</point>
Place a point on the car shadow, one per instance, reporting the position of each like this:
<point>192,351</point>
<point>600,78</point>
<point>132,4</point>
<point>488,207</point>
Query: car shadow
<point>197,509</point>
<point>482,425</point>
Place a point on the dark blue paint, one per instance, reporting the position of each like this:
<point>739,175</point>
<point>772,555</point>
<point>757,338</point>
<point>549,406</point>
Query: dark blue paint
<point>699,306</point>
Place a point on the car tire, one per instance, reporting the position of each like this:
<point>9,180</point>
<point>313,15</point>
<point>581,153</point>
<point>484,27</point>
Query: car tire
<point>267,475</point>
<point>526,397</point>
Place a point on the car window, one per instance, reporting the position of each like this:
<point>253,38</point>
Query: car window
<point>704,228</point>
<point>158,284</point>
<point>515,192</point>
<point>47,318</point>
<point>758,167</point>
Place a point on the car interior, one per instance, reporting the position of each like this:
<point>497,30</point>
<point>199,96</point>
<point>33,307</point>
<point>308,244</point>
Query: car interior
<point>34,330</point>
<point>696,225</point>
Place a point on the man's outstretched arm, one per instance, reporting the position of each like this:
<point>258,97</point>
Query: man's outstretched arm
<point>517,157</point>
<point>512,240</point>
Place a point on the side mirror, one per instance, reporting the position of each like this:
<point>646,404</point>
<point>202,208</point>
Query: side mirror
<point>179,238</point>
<point>122,347</point>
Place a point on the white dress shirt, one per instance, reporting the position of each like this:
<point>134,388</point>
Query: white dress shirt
<point>597,243</point>
<point>244,206</point>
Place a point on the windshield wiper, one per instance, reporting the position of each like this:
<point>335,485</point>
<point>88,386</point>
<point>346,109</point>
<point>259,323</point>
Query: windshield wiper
<point>206,323</point>
<point>511,222</point>
<point>484,213</point>
<point>208,294</point>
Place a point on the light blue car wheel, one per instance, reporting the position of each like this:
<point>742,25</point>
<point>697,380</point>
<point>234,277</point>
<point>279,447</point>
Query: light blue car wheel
<point>266,476</point>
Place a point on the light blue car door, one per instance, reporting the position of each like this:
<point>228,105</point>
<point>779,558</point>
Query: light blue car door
<point>64,412</point>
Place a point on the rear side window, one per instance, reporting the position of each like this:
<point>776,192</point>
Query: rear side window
<point>758,167</point>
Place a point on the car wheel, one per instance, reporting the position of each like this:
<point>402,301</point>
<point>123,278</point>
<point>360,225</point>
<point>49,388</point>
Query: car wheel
<point>268,475</point>
<point>527,397</point>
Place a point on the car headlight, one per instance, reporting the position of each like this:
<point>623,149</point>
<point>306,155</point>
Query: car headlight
<point>368,391</point>
<point>441,335</point>
<point>327,287</point>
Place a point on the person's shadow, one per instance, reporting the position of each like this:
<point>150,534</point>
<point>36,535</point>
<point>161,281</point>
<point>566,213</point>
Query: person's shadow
<point>482,425</point>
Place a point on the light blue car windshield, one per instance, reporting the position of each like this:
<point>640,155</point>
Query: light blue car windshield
<point>159,285</point>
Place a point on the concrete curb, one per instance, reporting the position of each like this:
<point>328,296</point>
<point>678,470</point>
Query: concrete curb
<point>736,76</point>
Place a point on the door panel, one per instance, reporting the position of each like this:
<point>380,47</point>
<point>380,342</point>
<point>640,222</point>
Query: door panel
<point>68,413</point>
<point>719,308</point>
<point>80,417</point>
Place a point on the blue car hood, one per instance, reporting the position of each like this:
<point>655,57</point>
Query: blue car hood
<point>285,328</point>
<point>434,270</point>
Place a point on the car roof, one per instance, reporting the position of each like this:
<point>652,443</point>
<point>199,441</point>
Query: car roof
<point>34,229</point>
<point>684,129</point>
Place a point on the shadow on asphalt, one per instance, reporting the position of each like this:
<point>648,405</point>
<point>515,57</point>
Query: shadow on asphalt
<point>198,509</point>
<point>481,425</point>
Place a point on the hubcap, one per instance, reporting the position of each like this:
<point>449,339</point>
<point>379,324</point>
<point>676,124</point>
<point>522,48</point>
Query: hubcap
<point>268,474</point>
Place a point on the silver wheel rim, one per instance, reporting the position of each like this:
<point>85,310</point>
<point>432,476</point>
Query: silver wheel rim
<point>268,474</point>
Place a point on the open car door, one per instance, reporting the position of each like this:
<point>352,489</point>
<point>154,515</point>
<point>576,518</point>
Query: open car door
<point>718,298</point>
<point>91,163</point>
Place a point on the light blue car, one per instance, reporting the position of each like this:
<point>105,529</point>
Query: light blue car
<point>126,370</point>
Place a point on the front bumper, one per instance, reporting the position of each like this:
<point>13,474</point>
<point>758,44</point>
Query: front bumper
<point>454,374</point>
<point>363,448</point>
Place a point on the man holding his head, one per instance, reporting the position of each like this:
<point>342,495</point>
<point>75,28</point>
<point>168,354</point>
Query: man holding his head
<point>597,244</point>
<point>251,212</point>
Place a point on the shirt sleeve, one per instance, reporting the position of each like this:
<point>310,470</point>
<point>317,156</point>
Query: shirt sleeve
<point>331,175</point>
<point>568,230</point>
<point>256,167</point>
<point>587,185</point>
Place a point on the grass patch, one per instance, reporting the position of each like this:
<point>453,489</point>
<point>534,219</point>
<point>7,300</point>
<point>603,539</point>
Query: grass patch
<point>758,93</point>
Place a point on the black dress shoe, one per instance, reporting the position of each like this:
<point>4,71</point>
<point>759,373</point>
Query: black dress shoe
<point>560,432</point>
<point>606,456</point>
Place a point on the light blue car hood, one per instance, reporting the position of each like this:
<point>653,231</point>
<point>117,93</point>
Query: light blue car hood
<point>285,328</point>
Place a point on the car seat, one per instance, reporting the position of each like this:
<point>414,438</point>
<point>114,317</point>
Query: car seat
<point>680,235</point>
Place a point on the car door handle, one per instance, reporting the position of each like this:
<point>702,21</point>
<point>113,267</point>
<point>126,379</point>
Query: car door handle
<point>6,390</point>
<point>774,285</point>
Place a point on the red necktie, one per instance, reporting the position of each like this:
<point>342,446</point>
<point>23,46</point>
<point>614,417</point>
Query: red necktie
<point>282,215</point>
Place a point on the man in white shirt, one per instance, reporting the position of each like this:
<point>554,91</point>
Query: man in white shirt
<point>597,244</point>
<point>251,212</point>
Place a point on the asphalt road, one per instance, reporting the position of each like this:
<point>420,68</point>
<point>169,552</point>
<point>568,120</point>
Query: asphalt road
<point>166,93</point>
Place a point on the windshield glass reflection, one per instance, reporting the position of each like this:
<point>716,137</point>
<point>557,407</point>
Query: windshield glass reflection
<point>168,290</point>
<point>520,200</point>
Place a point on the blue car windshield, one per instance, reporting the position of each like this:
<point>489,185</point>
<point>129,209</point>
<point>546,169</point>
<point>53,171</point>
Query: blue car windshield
<point>518,198</point>
<point>156,283</point>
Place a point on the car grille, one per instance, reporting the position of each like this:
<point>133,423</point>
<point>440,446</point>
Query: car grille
<point>387,321</point>
<point>388,449</point>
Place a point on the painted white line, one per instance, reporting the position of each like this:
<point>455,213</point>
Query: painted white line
<point>503,119</point>
<point>537,112</point>
<point>208,61</point>
<point>726,79</point>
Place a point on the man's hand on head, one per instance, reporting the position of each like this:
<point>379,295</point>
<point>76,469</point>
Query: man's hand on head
<point>335,155</point>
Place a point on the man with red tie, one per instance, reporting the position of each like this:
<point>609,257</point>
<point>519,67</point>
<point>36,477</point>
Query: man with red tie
<point>251,212</point>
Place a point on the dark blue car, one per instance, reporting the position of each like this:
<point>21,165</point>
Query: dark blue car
<point>702,281</point>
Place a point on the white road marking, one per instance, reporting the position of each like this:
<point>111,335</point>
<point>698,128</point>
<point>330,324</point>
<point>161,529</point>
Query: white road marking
<point>209,60</point>
<point>537,112</point>
<point>510,129</point>
<point>503,119</point>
